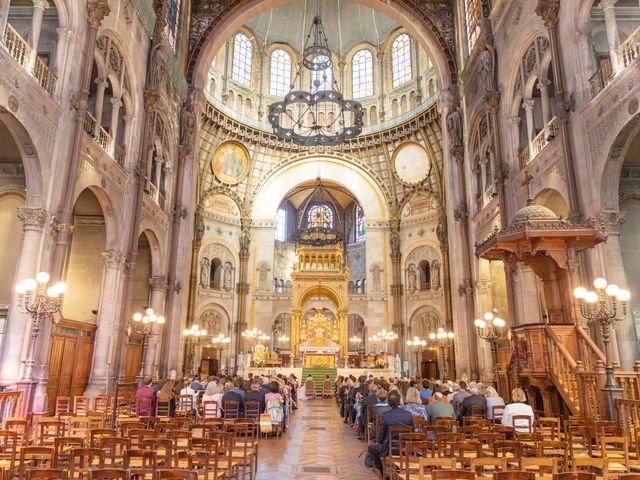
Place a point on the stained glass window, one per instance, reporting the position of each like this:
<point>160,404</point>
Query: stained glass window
<point>362,74</point>
<point>473,22</point>
<point>324,77</point>
<point>280,80</point>
<point>242,59</point>
<point>401,59</point>
<point>171,19</point>
<point>281,225</point>
<point>320,216</point>
<point>359,224</point>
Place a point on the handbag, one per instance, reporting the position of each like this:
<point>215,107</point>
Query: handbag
<point>265,423</point>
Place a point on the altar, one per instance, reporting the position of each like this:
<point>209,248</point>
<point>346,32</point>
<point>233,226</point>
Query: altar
<point>319,350</point>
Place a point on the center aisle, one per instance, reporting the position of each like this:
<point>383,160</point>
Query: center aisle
<point>317,445</point>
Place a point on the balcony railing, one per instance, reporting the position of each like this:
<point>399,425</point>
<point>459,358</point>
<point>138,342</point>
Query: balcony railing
<point>600,79</point>
<point>19,49</point>
<point>541,140</point>
<point>153,193</point>
<point>102,138</point>
<point>630,49</point>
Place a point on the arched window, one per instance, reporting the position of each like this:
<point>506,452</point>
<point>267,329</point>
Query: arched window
<point>215,274</point>
<point>425,275</point>
<point>473,22</point>
<point>401,59</point>
<point>242,59</point>
<point>171,21</point>
<point>320,216</point>
<point>280,73</point>
<point>359,223</point>
<point>362,74</point>
<point>281,225</point>
<point>324,77</point>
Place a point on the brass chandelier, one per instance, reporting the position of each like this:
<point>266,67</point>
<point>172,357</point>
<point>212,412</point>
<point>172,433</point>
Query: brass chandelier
<point>320,116</point>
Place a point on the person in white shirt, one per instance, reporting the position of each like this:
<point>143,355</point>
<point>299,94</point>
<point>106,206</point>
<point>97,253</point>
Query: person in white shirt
<point>493,400</point>
<point>518,407</point>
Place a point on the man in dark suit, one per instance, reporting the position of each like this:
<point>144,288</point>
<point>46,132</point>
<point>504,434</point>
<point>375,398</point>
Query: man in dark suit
<point>394,417</point>
<point>367,403</point>
<point>230,393</point>
<point>475,399</point>
<point>256,394</point>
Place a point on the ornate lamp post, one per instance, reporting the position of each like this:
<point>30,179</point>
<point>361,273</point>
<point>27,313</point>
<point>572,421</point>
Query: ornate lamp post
<point>145,326</point>
<point>600,308</point>
<point>192,337</point>
<point>444,341</point>
<point>417,345</point>
<point>490,330</point>
<point>39,301</point>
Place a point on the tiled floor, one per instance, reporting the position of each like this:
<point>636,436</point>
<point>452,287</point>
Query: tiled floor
<point>318,445</point>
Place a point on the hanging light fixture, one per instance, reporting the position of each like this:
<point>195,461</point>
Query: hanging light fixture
<point>320,116</point>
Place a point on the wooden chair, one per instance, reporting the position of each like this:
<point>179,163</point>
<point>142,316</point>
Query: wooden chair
<point>508,449</point>
<point>101,404</point>
<point>531,443</point>
<point>20,426</point>
<point>47,474</point>
<point>8,449</point>
<point>144,406</point>
<point>452,475</point>
<point>557,450</point>
<point>542,465</point>
<point>63,405</point>
<point>522,423</point>
<point>575,476</point>
<point>428,464</point>
<point>616,451</point>
<point>514,476</point>
<point>115,448</point>
<point>180,440</point>
<point>96,435</point>
<point>137,436</point>
<point>108,474</point>
<point>231,409</point>
<point>478,411</point>
<point>408,465</point>
<point>48,429</point>
<point>496,413</point>
<point>63,447</point>
<point>176,475</point>
<point>36,457</point>
<point>629,476</point>
<point>184,405</point>
<point>163,408</point>
<point>446,440</point>
<point>488,441</point>
<point>252,410</point>
<point>592,465</point>
<point>163,447</point>
<point>327,388</point>
<point>141,463</point>
<point>487,465</point>
<point>81,406</point>
<point>466,451</point>
<point>130,424</point>
<point>83,460</point>
<point>548,427</point>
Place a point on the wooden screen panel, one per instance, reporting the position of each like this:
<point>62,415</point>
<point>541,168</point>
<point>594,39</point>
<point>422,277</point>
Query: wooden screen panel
<point>132,358</point>
<point>69,360</point>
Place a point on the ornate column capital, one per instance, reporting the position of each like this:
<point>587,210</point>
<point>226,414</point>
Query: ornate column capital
<point>32,218</point>
<point>96,11</point>
<point>528,103</point>
<point>40,4</point>
<point>548,11</point>
<point>611,221</point>
<point>543,84</point>
<point>113,259</point>
<point>158,283</point>
<point>101,82</point>
<point>116,102</point>
<point>606,4</point>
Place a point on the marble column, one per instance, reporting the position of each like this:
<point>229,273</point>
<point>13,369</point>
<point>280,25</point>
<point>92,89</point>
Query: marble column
<point>382,86</point>
<point>158,287</point>
<point>106,323</point>
<point>33,221</point>
<point>528,110</point>
<point>116,103</point>
<point>543,86</point>
<point>39,6</point>
<point>611,26</point>
<point>97,113</point>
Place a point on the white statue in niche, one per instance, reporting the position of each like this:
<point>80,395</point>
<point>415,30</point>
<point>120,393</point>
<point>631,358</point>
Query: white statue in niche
<point>240,363</point>
<point>413,278</point>
<point>435,275</point>
<point>227,282</point>
<point>377,280</point>
<point>204,272</point>
<point>263,276</point>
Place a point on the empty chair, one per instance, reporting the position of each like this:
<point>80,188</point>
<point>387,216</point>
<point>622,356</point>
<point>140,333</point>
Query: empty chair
<point>575,476</point>
<point>514,476</point>
<point>8,449</point>
<point>36,457</point>
<point>487,465</point>
<point>83,460</point>
<point>176,475</point>
<point>81,406</point>
<point>108,474</point>
<point>47,474</point>
<point>452,475</point>
<point>63,405</point>
<point>540,465</point>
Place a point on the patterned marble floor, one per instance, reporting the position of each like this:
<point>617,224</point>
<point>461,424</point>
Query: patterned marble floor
<point>318,446</point>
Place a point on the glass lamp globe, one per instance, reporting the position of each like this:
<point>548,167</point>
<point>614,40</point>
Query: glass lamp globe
<point>29,284</point>
<point>624,295</point>
<point>137,317</point>
<point>580,293</point>
<point>42,277</point>
<point>612,290</point>
<point>488,316</point>
<point>480,323</point>
<point>600,283</point>
<point>591,297</point>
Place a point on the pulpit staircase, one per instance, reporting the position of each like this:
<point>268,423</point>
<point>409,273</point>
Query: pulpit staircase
<point>565,358</point>
<point>319,375</point>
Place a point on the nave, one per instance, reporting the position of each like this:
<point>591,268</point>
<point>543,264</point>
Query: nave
<point>318,445</point>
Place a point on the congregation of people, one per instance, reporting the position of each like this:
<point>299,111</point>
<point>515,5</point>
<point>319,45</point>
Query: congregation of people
<point>372,405</point>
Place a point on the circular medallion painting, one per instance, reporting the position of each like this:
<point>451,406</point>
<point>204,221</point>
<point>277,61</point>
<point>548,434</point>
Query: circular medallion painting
<point>411,163</point>
<point>230,162</point>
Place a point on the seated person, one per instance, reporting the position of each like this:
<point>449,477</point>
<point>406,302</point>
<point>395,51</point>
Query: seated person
<point>518,407</point>
<point>368,401</point>
<point>230,394</point>
<point>473,400</point>
<point>213,393</point>
<point>256,394</point>
<point>413,403</point>
<point>146,398</point>
<point>394,417</point>
<point>439,408</point>
<point>493,400</point>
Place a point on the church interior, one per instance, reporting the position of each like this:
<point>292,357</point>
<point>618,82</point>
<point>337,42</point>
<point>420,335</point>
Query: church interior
<point>236,232</point>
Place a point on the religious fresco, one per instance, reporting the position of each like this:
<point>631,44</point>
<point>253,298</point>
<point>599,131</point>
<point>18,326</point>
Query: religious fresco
<point>411,163</point>
<point>230,163</point>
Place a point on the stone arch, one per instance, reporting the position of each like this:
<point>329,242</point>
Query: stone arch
<point>156,251</point>
<point>425,320</point>
<point>214,318</point>
<point>417,19</point>
<point>108,211</point>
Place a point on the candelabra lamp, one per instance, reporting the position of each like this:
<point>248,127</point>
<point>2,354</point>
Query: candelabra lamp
<point>601,308</point>
<point>387,338</point>
<point>354,343</point>
<point>252,337</point>
<point>282,342</point>
<point>39,300</point>
<point>444,341</point>
<point>373,343</point>
<point>144,324</point>
<point>192,338</point>
<point>490,329</point>
<point>417,346</point>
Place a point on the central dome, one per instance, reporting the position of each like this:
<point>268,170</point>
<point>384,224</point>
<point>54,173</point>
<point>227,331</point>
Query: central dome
<point>374,60</point>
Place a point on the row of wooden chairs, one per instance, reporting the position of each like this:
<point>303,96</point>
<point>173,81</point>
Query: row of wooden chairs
<point>113,474</point>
